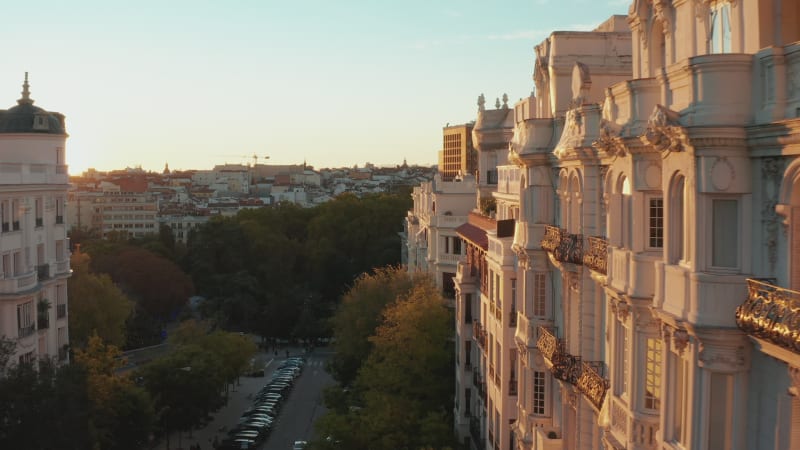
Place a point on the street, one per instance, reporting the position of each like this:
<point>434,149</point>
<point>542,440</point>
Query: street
<point>297,415</point>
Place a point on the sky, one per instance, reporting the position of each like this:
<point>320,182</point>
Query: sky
<point>335,83</point>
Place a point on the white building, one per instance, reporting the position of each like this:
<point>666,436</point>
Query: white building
<point>653,184</point>
<point>34,250</point>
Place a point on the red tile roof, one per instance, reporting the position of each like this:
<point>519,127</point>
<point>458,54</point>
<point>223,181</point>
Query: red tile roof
<point>473,234</point>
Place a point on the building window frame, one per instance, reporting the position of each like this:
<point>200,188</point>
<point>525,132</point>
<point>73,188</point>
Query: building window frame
<point>655,222</point>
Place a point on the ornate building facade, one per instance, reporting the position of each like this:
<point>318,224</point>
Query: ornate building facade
<point>34,249</point>
<point>652,190</point>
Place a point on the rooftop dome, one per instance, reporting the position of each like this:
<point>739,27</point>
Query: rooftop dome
<point>26,118</point>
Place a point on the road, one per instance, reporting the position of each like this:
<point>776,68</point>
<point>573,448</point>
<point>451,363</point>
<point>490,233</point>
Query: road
<point>304,405</point>
<point>296,418</point>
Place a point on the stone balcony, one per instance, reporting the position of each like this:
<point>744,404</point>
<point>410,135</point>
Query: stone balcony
<point>771,313</point>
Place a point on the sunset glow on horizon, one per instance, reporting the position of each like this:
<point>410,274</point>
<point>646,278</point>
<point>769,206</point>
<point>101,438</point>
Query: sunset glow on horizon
<point>195,84</point>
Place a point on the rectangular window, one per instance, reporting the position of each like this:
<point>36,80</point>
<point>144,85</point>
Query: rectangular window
<point>656,225</point>
<point>539,295</point>
<point>679,370</point>
<point>467,299</point>
<point>7,269</point>
<point>719,416</point>
<point>468,354</point>
<point>39,212</point>
<point>725,233</point>
<point>456,246</point>
<point>25,319</point>
<point>497,290</point>
<point>652,382</point>
<point>720,20</point>
<point>467,401</point>
<point>538,393</point>
<point>447,244</point>
<point>621,375</point>
<point>15,215</point>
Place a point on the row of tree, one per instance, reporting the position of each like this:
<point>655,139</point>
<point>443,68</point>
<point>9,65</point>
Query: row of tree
<point>93,403</point>
<point>394,367</point>
<point>277,272</point>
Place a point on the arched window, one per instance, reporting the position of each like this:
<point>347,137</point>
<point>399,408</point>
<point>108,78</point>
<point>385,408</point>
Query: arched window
<point>626,216</point>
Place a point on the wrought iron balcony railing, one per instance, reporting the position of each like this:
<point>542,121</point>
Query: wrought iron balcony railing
<point>567,368</point>
<point>551,239</point>
<point>26,330</point>
<point>772,313</point>
<point>592,384</point>
<point>570,250</point>
<point>548,344</point>
<point>564,246</point>
<point>596,256</point>
<point>479,334</point>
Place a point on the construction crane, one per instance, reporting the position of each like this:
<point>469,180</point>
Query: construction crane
<point>254,156</point>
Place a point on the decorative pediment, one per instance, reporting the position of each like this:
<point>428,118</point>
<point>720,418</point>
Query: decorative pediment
<point>664,131</point>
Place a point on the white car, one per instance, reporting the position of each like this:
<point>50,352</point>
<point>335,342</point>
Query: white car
<point>299,445</point>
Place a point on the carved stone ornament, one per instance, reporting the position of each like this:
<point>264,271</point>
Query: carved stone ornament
<point>680,340</point>
<point>661,12</point>
<point>481,103</point>
<point>621,309</point>
<point>664,131</point>
<point>666,333</point>
<point>610,140</point>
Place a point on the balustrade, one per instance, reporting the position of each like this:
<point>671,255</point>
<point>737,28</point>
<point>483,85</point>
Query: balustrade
<point>566,368</point>
<point>772,313</point>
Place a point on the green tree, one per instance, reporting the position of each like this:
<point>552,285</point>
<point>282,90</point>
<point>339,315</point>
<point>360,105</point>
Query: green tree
<point>44,407</point>
<point>96,305</point>
<point>121,414</point>
<point>402,395</point>
<point>358,316</point>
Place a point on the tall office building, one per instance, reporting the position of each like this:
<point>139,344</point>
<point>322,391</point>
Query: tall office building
<point>457,157</point>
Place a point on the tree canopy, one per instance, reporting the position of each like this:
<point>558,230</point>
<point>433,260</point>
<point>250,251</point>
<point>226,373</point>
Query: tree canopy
<point>96,305</point>
<point>403,392</point>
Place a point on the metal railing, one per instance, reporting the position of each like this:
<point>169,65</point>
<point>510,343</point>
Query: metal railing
<point>26,331</point>
<point>596,255</point>
<point>772,313</point>
<point>592,384</point>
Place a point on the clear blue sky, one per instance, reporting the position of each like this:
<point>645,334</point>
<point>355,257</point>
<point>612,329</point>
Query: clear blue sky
<point>337,82</point>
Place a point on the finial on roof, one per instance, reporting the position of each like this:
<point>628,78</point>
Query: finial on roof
<point>497,103</point>
<point>505,101</point>
<point>481,102</point>
<point>26,94</point>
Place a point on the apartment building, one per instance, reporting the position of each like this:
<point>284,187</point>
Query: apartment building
<point>34,249</point>
<point>432,243</point>
<point>649,201</point>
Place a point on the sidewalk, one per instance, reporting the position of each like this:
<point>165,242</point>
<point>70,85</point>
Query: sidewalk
<point>228,416</point>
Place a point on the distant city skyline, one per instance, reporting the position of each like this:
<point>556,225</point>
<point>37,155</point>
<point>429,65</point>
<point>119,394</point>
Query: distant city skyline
<point>336,84</point>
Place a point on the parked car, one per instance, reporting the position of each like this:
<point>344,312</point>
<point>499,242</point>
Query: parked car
<point>299,445</point>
